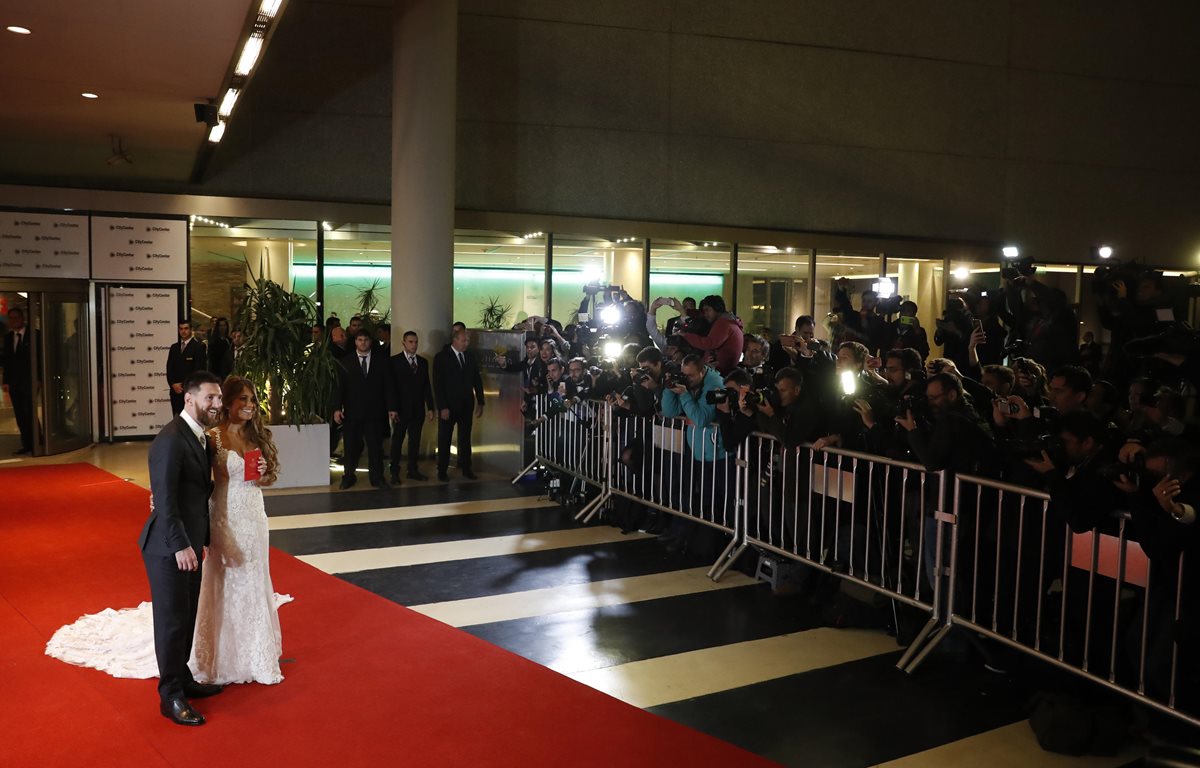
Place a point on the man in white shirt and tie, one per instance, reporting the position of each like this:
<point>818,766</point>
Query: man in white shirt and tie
<point>414,400</point>
<point>458,390</point>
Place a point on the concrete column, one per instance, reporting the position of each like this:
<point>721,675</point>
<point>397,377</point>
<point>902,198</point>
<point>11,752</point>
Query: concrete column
<point>424,71</point>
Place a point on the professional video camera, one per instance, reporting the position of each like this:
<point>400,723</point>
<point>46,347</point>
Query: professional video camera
<point>1032,448</point>
<point>890,305</point>
<point>606,310</point>
<point>1018,269</point>
<point>1106,276</point>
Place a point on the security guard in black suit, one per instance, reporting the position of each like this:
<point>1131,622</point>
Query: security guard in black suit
<point>184,359</point>
<point>16,360</point>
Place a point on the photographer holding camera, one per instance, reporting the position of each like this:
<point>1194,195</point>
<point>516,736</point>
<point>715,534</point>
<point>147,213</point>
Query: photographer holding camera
<point>705,456</point>
<point>856,379</point>
<point>644,393</point>
<point>755,351</point>
<point>724,337</point>
<point>953,437</point>
<point>905,391</point>
<point>954,332</point>
<point>905,332</point>
<point>1078,479</point>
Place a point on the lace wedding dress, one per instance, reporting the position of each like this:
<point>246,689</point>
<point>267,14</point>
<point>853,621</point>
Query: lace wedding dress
<point>237,626</point>
<point>237,636</point>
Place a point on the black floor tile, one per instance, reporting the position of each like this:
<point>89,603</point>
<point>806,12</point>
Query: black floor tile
<point>339,538</point>
<point>460,579</point>
<point>857,714</point>
<point>588,639</point>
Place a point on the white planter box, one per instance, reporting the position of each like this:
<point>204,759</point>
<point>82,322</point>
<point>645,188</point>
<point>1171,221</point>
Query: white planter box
<point>303,455</point>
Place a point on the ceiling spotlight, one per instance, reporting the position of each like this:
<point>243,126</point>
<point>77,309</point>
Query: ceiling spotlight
<point>18,30</point>
<point>790,249</point>
<point>216,132</point>
<point>1104,251</point>
<point>1010,251</point>
<point>205,113</point>
<point>89,95</point>
<point>960,273</point>
<point>325,225</point>
<point>269,8</point>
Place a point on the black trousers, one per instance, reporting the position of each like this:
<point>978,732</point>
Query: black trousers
<point>460,420</point>
<point>411,426</point>
<point>175,595</point>
<point>354,433</point>
<point>22,401</point>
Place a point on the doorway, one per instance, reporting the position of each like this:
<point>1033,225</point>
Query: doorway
<point>47,375</point>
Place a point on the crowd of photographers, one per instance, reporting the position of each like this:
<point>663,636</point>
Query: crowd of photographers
<point>1013,397</point>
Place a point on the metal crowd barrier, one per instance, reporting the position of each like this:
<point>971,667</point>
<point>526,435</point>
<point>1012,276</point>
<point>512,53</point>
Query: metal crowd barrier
<point>1089,602</point>
<point>866,519</point>
<point>569,436</point>
<point>651,463</point>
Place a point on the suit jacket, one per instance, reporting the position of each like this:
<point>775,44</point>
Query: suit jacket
<point>180,484</point>
<point>15,360</point>
<point>183,362</point>
<point>414,393</point>
<point>361,398</point>
<point>456,388</point>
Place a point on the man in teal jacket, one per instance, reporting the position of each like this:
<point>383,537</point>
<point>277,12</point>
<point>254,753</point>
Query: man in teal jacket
<point>705,468</point>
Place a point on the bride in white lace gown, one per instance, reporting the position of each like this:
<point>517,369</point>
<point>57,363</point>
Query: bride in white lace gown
<point>237,627</point>
<point>237,636</point>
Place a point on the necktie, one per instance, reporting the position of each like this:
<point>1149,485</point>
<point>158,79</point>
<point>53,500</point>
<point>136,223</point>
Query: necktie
<point>413,362</point>
<point>19,335</point>
<point>363,362</point>
<point>461,364</point>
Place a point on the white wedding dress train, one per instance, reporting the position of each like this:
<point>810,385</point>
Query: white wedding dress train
<point>237,636</point>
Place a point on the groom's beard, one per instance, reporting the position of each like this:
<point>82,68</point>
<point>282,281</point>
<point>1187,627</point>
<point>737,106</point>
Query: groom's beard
<point>208,418</point>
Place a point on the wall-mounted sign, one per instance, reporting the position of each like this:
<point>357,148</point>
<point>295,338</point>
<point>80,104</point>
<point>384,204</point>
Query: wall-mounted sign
<point>141,329</point>
<point>43,245</point>
<point>139,249</point>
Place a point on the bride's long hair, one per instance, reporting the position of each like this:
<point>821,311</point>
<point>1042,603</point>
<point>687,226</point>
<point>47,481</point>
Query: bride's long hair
<point>254,431</point>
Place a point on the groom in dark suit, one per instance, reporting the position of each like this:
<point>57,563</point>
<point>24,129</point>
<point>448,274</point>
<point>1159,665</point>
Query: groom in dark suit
<point>175,538</point>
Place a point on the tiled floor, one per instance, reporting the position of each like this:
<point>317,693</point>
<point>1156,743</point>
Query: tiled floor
<point>617,613</point>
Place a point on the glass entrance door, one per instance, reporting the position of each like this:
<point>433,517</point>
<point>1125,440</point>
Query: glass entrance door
<point>62,402</point>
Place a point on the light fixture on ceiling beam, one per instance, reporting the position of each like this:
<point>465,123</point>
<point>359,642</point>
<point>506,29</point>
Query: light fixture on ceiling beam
<point>250,52</point>
<point>89,95</point>
<point>216,132</point>
<point>19,30</point>
<point>226,108</point>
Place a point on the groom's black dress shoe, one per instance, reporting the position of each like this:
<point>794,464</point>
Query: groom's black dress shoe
<point>181,713</point>
<point>347,481</point>
<point>201,690</point>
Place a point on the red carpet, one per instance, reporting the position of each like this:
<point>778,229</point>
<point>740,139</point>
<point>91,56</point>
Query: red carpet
<point>368,681</point>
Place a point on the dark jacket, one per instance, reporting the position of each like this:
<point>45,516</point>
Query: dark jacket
<point>414,392</point>
<point>361,398</point>
<point>185,359</point>
<point>15,360</point>
<point>457,388</point>
<point>180,484</point>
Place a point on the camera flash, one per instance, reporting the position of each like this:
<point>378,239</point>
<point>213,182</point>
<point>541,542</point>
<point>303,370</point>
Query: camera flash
<point>849,382</point>
<point>1104,251</point>
<point>612,349</point>
<point>1011,251</point>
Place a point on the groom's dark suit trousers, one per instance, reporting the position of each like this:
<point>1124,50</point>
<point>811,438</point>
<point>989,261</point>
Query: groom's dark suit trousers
<point>175,595</point>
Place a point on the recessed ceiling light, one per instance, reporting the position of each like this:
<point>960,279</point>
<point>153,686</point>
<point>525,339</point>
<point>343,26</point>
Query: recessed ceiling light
<point>18,30</point>
<point>89,95</point>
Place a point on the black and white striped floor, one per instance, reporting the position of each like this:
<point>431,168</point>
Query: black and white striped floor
<point>615,612</point>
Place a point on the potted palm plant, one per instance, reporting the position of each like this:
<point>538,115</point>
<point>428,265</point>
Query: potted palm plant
<point>294,376</point>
